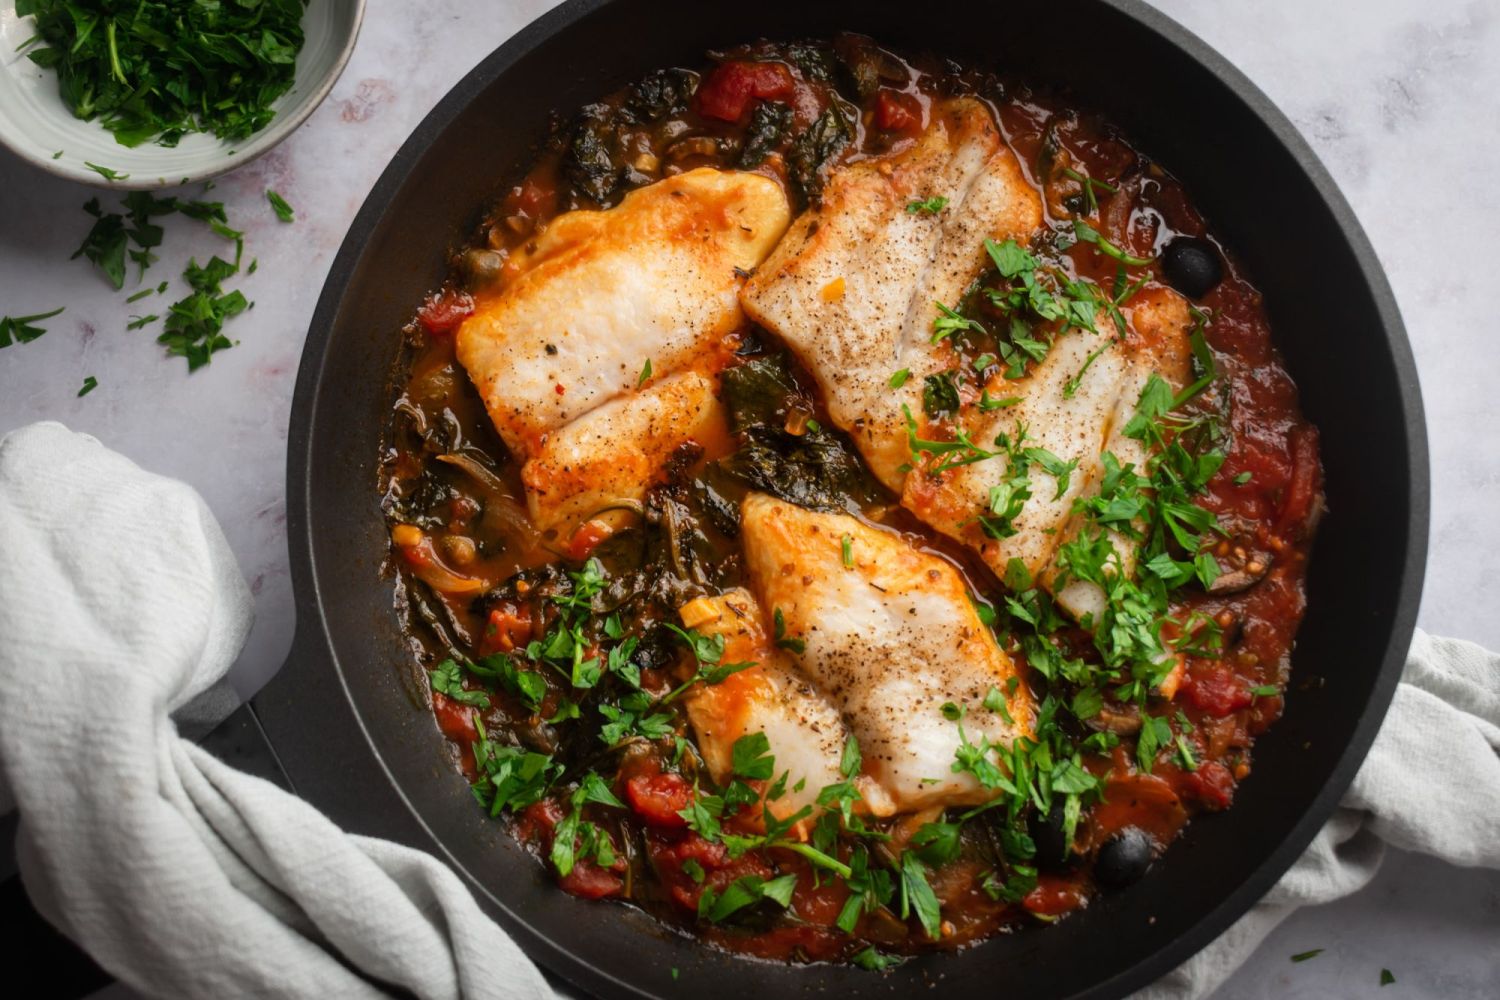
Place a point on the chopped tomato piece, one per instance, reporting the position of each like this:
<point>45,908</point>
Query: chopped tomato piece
<point>532,198</point>
<point>656,798</point>
<point>1211,784</point>
<point>1302,490</point>
<point>443,312</point>
<point>1053,896</point>
<point>727,92</point>
<point>505,630</point>
<point>455,719</point>
<point>896,112</point>
<point>1217,691</point>
<point>819,904</point>
<point>588,535</point>
<point>590,881</point>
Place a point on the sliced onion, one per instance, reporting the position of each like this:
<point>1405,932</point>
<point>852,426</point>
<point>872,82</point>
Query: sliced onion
<point>499,504</point>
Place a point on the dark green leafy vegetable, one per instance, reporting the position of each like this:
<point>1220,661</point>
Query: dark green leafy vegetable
<point>768,126</point>
<point>89,385</point>
<point>814,149</point>
<point>589,163</point>
<point>19,329</point>
<point>156,69</point>
<point>660,93</point>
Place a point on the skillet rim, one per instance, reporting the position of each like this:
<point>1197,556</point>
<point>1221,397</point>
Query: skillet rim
<point>313,640</point>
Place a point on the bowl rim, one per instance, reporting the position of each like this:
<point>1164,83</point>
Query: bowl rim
<point>261,143</point>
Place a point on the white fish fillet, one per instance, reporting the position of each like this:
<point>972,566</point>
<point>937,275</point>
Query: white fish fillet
<point>616,451</point>
<point>581,310</point>
<point>804,730</point>
<point>851,287</point>
<point>888,642</point>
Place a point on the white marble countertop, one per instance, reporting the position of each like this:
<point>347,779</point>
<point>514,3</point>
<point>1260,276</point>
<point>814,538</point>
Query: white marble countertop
<point>1401,100</point>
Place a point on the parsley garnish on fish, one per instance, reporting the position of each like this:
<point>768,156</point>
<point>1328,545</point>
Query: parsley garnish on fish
<point>645,374</point>
<point>928,206</point>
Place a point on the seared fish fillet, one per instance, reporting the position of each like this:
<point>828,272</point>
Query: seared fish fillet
<point>888,642</point>
<point>579,312</point>
<point>1107,376</point>
<point>853,285</point>
<point>615,451</point>
<point>803,728</point>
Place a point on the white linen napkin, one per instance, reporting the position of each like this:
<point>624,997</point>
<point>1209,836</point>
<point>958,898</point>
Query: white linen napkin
<point>120,602</point>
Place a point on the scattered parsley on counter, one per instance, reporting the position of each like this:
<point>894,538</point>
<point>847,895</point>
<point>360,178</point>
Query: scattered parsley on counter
<point>19,329</point>
<point>1305,955</point>
<point>1386,979</point>
<point>284,211</point>
<point>195,324</point>
<point>89,385</point>
<point>156,70</point>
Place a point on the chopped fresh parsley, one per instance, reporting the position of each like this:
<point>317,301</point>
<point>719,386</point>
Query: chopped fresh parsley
<point>90,383</point>
<point>1386,979</point>
<point>846,547</point>
<point>898,379</point>
<point>108,173</point>
<point>876,961</point>
<point>928,206</point>
<point>784,641</point>
<point>645,374</point>
<point>447,679</point>
<point>279,205</point>
<point>1088,234</point>
<point>156,70</point>
<point>23,329</point>
<point>1303,956</point>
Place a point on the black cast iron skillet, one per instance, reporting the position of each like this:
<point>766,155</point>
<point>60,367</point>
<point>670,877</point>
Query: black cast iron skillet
<point>354,734</point>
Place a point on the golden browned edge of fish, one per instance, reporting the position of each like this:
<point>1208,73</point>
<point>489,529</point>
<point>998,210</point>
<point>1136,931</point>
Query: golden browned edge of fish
<point>804,730</point>
<point>579,312</point>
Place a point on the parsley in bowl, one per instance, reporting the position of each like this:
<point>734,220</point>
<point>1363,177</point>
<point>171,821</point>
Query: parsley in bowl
<point>152,93</point>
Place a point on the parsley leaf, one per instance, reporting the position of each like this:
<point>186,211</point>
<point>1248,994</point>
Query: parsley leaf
<point>20,329</point>
<point>917,895</point>
<point>283,211</point>
<point>928,206</point>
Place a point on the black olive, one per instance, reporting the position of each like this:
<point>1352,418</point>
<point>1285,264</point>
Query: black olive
<point>1124,858</point>
<point>1047,833</point>
<point>1192,266</point>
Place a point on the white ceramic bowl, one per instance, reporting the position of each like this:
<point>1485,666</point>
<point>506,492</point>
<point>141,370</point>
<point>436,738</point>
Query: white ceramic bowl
<point>35,124</point>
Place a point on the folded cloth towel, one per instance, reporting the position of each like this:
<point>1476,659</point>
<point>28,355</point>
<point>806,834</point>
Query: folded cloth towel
<point>1430,784</point>
<point>119,602</point>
